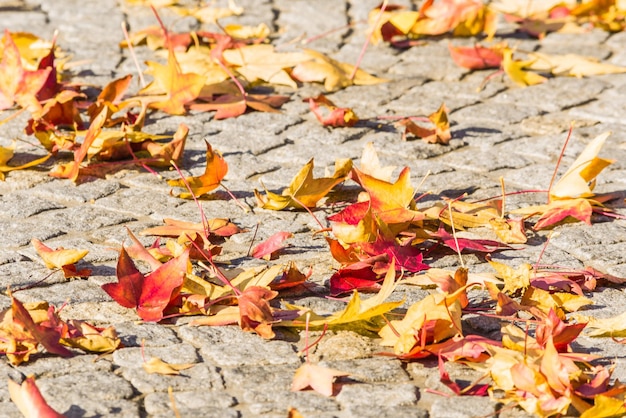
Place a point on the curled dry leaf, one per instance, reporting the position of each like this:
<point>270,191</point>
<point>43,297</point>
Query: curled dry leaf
<point>336,117</point>
<point>216,169</point>
<point>158,366</point>
<point>271,246</point>
<point>29,400</point>
<point>6,154</point>
<point>61,258</point>
<point>334,74</point>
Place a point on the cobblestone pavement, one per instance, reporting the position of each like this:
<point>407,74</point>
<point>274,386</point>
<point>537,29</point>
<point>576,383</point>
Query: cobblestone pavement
<point>502,131</point>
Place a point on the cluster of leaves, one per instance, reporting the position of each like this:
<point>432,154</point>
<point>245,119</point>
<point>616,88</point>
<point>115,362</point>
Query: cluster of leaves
<point>403,28</point>
<point>381,239</point>
<point>27,326</point>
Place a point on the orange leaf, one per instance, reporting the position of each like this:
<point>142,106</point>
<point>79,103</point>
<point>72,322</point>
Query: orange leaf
<point>233,105</point>
<point>216,169</point>
<point>255,313</point>
<point>71,169</point>
<point>173,89</point>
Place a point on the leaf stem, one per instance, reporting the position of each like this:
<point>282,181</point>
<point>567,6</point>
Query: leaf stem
<point>558,162</point>
<point>367,41</point>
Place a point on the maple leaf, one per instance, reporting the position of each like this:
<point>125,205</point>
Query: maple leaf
<point>471,390</point>
<point>110,96</point>
<point>61,259</point>
<point>150,294</point>
<point>291,277</point>
<point>338,116</point>
<point>233,105</point>
<point>261,62</point>
<point>216,169</point>
<point>614,326</point>
<point>356,309</point>
<point>29,400</point>
<point>516,70</point>
<point>156,365</point>
<point>155,38</point>
<point>559,331</point>
<point>46,336</point>
<point>334,74</point>
<point>18,85</point>
<point>171,89</point>
<point>89,338</point>
<point>477,57</point>
<point>255,313</point>
<point>220,227</point>
<point>6,154</point>
<point>71,169</point>
<point>459,244</point>
<point>605,407</point>
<point>317,377</point>
<point>436,316</point>
<point>572,65</point>
<point>304,190</point>
<point>571,195</point>
<point>268,248</point>
<point>370,164</point>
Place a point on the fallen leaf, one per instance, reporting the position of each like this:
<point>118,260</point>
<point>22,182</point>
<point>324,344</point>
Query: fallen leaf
<point>158,366</point>
<point>605,407</point>
<point>255,313</point>
<point>318,378</point>
<point>233,105</point>
<point>262,62</point>
<point>334,74</point>
<point>6,154</point>
<point>216,169</point>
<point>150,294</point>
<point>268,248</point>
<point>29,400</point>
<point>304,190</point>
<point>59,258</point>
<point>18,85</point>
<point>516,70</point>
<point>370,164</point>
<point>91,339</point>
<point>171,89</point>
<point>477,57</point>
<point>336,117</point>
<point>572,65</point>
<point>291,277</point>
<point>72,169</point>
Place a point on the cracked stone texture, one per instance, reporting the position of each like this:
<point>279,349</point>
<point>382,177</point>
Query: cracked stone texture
<point>498,131</point>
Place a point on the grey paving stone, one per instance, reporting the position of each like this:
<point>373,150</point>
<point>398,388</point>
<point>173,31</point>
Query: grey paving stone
<point>557,94</point>
<point>134,357</point>
<point>359,395</point>
<point>228,346</point>
<point>341,347</point>
<point>23,205</point>
<point>370,370</point>
<point>190,403</point>
<point>146,334</point>
<point>461,407</point>
<point>66,191</point>
<point>97,392</point>
<point>199,376</point>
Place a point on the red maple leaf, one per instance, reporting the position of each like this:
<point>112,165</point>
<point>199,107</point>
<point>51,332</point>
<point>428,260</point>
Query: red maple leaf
<point>150,294</point>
